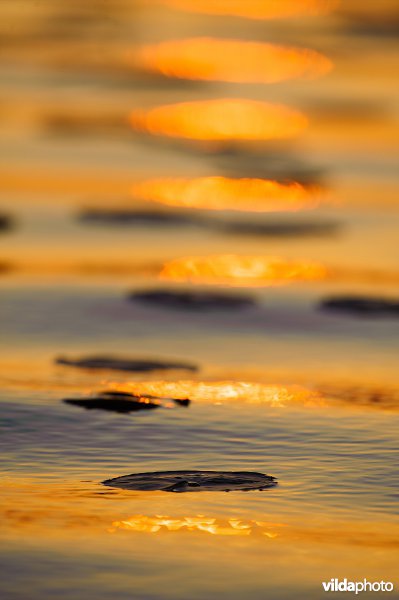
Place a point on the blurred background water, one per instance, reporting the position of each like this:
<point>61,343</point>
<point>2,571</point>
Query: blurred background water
<point>240,148</point>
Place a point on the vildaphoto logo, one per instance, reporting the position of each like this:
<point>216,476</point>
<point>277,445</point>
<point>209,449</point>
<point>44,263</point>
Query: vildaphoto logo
<point>335,585</point>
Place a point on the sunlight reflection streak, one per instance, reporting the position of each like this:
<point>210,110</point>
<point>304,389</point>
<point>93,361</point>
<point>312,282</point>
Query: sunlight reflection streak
<point>221,193</point>
<point>221,392</point>
<point>235,270</point>
<point>159,523</point>
<point>254,9</point>
<point>220,120</point>
<point>215,59</point>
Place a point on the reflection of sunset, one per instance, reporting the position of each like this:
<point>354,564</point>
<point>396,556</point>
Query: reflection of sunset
<point>199,523</point>
<point>231,60</point>
<point>220,120</point>
<point>254,9</point>
<point>221,392</point>
<point>51,513</point>
<point>235,270</point>
<point>340,534</point>
<point>221,193</point>
<point>200,298</point>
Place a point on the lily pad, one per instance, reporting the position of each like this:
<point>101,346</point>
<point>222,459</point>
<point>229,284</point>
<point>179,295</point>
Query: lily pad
<point>138,217</point>
<point>193,481</point>
<point>192,300</point>
<point>282,229</point>
<point>123,402</point>
<point>113,403</point>
<point>115,363</point>
<point>5,223</point>
<point>362,306</point>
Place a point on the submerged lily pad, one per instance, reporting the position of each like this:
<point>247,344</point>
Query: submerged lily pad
<point>193,481</point>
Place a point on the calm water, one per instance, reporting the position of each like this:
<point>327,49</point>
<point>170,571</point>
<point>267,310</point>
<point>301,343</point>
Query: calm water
<point>320,406</point>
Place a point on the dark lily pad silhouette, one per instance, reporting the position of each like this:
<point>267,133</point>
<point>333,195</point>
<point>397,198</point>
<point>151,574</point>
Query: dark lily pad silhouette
<point>118,394</point>
<point>276,229</point>
<point>111,403</point>
<point>192,300</point>
<point>138,217</point>
<point>6,223</point>
<point>156,218</point>
<point>193,481</point>
<point>122,402</point>
<point>362,306</point>
<point>123,364</point>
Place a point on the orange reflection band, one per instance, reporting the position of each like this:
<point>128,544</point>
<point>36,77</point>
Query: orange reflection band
<point>220,120</point>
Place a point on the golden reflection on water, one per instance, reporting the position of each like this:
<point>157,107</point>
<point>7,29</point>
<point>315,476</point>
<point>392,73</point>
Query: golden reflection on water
<point>220,392</point>
<point>222,193</point>
<point>352,533</point>
<point>245,528</point>
<point>231,60</point>
<point>235,270</point>
<point>221,120</point>
<point>40,510</point>
<point>81,512</point>
<point>199,523</point>
<point>254,9</point>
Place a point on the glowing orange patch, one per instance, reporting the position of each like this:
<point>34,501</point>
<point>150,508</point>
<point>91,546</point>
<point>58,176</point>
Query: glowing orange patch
<point>219,392</point>
<point>221,193</point>
<point>220,120</point>
<point>231,269</point>
<point>254,9</point>
<point>200,523</point>
<point>231,60</point>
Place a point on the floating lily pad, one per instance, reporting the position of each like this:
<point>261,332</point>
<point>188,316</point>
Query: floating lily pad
<point>115,363</point>
<point>157,218</point>
<point>362,306</point>
<point>113,403</point>
<point>193,481</point>
<point>138,217</point>
<point>5,223</point>
<point>122,402</point>
<point>276,229</point>
<point>192,300</point>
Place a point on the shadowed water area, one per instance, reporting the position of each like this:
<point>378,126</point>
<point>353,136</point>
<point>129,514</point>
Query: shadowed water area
<point>198,215</point>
